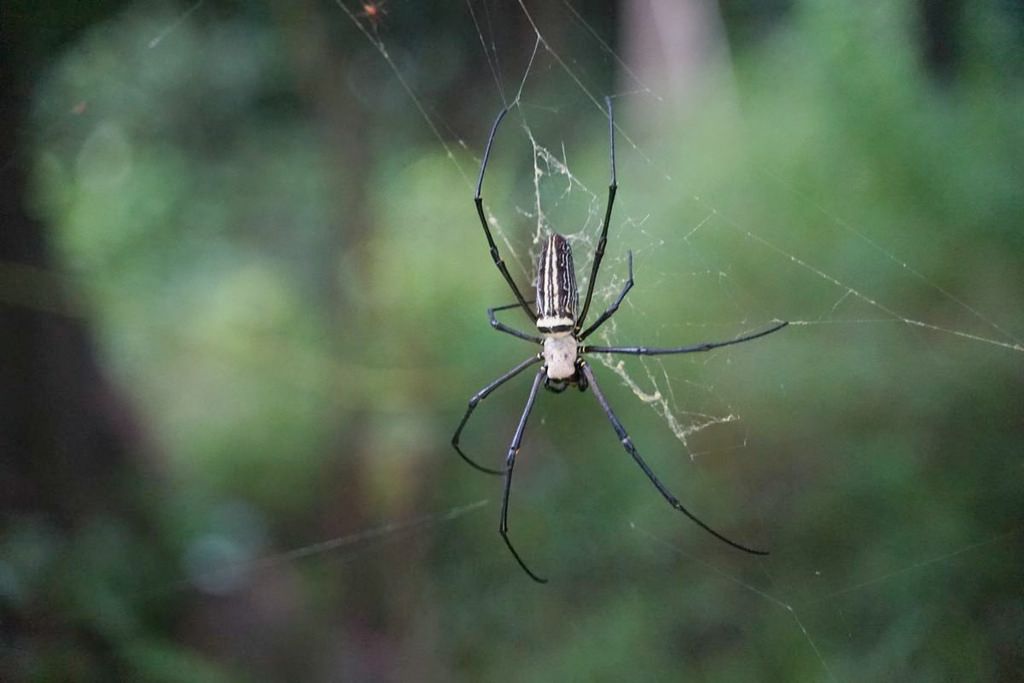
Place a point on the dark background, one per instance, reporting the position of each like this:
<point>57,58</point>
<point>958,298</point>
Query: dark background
<point>242,296</point>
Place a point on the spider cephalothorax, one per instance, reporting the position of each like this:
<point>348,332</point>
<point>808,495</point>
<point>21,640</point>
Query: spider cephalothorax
<point>562,350</point>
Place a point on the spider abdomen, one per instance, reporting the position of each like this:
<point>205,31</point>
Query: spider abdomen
<point>557,296</point>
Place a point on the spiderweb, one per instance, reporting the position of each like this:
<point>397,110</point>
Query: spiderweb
<point>739,262</point>
<point>556,189</point>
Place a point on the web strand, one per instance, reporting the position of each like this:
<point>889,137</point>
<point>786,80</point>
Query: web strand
<point>341,544</point>
<point>378,44</point>
<point>853,291</point>
<point>1015,341</point>
<point>743,584</point>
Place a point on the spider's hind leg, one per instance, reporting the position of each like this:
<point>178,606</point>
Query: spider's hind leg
<point>510,463</point>
<point>627,444</point>
<point>475,400</point>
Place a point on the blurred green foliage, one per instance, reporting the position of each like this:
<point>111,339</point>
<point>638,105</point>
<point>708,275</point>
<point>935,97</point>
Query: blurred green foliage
<point>298,328</point>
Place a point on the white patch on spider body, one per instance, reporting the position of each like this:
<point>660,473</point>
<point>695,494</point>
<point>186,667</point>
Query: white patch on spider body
<point>554,324</point>
<point>560,353</point>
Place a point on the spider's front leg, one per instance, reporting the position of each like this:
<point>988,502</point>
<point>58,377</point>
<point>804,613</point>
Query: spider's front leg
<point>610,311</point>
<point>613,186</point>
<point>479,201</point>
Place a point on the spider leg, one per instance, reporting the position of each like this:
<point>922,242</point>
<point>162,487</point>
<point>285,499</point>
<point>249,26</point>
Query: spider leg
<point>510,462</point>
<point>695,348</point>
<point>615,306</point>
<point>627,443</point>
<point>501,327</point>
<point>478,200</point>
<point>599,251</point>
<point>479,396</point>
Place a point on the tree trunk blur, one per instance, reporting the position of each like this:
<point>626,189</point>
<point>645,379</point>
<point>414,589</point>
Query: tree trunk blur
<point>677,48</point>
<point>70,452</point>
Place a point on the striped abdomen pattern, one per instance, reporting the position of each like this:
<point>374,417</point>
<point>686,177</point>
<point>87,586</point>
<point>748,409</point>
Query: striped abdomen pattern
<point>557,296</point>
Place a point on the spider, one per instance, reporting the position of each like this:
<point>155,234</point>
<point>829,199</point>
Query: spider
<point>562,334</point>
